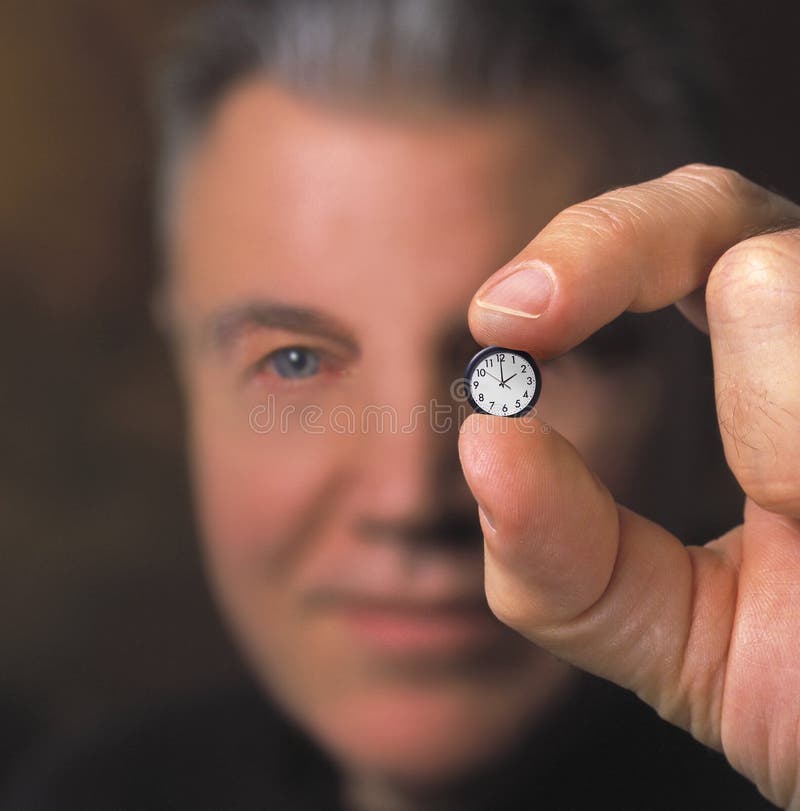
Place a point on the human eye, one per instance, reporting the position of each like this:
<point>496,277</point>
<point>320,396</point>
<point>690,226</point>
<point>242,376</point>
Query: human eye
<point>284,363</point>
<point>292,362</point>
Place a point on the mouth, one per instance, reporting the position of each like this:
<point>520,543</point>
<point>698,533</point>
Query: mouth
<point>406,627</point>
<point>399,603</point>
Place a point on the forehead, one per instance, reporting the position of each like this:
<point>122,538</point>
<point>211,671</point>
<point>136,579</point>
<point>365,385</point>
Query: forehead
<point>291,195</point>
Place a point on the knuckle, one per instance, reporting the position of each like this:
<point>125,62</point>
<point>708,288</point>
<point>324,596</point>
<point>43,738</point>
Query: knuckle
<point>606,217</point>
<point>754,270</point>
<point>721,181</point>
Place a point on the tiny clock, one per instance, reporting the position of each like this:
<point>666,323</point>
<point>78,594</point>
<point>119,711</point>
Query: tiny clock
<point>503,382</point>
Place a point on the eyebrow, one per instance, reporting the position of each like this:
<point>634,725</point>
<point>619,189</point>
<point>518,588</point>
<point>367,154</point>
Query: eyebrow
<point>223,329</point>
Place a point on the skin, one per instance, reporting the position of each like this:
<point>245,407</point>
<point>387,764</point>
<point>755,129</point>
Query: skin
<point>706,635</point>
<point>376,638</point>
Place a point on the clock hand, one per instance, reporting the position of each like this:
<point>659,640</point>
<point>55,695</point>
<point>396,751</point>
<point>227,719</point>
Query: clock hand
<point>496,378</point>
<point>512,376</point>
<point>502,381</point>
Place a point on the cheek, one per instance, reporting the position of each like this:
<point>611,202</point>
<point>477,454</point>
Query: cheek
<point>254,490</point>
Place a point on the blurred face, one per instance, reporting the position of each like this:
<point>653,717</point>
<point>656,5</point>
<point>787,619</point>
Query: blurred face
<point>322,264</point>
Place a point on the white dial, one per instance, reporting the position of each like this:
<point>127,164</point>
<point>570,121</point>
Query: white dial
<point>504,382</point>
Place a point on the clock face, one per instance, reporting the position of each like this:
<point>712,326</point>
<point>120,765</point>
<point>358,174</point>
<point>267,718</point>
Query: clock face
<point>503,382</point>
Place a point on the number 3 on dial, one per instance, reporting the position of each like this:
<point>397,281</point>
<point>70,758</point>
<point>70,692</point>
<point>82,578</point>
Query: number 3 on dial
<point>503,382</point>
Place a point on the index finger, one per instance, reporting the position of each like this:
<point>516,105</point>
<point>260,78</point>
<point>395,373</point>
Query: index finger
<point>638,248</point>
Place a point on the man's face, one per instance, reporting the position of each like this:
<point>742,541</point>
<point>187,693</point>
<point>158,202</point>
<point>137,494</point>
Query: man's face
<point>322,264</point>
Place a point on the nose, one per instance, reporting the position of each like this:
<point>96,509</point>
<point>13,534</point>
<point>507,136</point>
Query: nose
<point>411,481</point>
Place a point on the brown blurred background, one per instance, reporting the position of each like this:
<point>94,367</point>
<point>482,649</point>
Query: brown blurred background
<point>102,601</point>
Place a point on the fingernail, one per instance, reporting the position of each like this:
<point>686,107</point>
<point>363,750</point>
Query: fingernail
<point>487,518</point>
<point>526,292</point>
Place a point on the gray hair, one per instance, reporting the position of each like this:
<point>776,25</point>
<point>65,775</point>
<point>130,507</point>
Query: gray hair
<point>446,51</point>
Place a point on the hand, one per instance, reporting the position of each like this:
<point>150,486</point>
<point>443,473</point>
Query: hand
<point>501,382</point>
<point>709,636</point>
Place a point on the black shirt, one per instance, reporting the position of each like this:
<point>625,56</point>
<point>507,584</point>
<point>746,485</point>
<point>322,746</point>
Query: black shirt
<point>234,751</point>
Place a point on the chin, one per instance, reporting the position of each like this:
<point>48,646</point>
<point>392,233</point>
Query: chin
<point>433,734</point>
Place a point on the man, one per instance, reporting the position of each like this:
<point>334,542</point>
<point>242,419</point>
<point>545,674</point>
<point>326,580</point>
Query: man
<point>340,180</point>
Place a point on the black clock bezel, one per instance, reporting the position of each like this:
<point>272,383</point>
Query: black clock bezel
<point>493,350</point>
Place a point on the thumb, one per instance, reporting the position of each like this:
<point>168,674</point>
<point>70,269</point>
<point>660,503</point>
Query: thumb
<point>593,582</point>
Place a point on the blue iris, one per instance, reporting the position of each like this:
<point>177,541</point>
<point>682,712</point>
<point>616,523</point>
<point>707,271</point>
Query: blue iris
<point>295,361</point>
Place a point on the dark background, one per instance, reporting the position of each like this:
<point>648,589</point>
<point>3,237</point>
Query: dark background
<point>102,601</point>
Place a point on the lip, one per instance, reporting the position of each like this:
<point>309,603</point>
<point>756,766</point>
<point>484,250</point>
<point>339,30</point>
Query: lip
<point>409,628</point>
